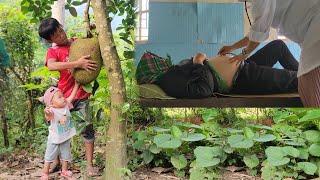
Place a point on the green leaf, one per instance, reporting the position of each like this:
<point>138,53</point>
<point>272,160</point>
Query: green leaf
<point>312,136</point>
<point>311,116</point>
<point>166,141</point>
<point>188,125</point>
<point>77,3</point>
<point>147,156</point>
<point>211,114</point>
<point>314,150</point>
<point>154,149</point>
<point>160,130</point>
<point>279,162</point>
<point>238,141</point>
<point>248,133</point>
<point>251,161</point>
<point>176,132</point>
<point>191,137</point>
<point>291,151</point>
<point>265,138</point>
<point>206,156</point>
<point>73,11</point>
<point>276,156</point>
<point>307,167</point>
<point>304,154</point>
<point>179,161</point>
<point>87,88</point>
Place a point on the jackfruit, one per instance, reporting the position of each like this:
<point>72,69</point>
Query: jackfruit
<point>83,47</point>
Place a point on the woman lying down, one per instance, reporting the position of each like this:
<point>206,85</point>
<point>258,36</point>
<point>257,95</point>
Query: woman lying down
<point>201,77</point>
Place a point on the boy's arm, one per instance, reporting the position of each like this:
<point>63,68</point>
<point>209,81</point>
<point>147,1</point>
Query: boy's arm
<point>73,93</point>
<point>84,63</point>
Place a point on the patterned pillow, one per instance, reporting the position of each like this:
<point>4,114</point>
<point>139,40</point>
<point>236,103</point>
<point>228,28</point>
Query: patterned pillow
<point>151,67</point>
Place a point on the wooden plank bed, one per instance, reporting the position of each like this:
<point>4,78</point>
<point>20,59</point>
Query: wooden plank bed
<point>285,100</point>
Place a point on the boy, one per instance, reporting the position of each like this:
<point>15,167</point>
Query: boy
<point>57,60</point>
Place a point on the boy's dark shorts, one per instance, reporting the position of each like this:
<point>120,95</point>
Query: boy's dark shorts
<point>85,109</point>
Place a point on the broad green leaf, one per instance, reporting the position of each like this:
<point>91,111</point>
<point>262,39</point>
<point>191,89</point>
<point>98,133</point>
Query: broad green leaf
<point>311,115</point>
<point>193,137</point>
<point>265,138</point>
<point>279,162</point>
<point>312,136</point>
<point>251,161</point>
<point>276,156</point>
<point>291,151</point>
<point>176,132</point>
<point>248,133</point>
<point>147,156</point>
<point>239,141</point>
<point>167,141</point>
<point>314,150</point>
<point>308,168</point>
<point>260,127</point>
<point>178,162</point>
<point>304,153</point>
<point>206,156</point>
<point>154,149</point>
<point>188,125</point>
<point>228,149</point>
<point>159,129</point>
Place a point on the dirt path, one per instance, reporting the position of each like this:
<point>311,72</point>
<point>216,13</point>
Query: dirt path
<point>29,168</point>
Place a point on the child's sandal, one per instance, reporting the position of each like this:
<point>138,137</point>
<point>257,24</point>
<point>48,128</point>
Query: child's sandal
<point>44,176</point>
<point>67,175</point>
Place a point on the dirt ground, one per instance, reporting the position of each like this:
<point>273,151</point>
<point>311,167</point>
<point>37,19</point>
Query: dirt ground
<point>29,167</point>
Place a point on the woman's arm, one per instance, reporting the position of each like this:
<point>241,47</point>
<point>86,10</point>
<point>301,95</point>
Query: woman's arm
<point>227,49</point>
<point>263,15</point>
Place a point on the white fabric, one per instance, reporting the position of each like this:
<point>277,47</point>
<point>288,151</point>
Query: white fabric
<point>61,127</point>
<point>298,20</point>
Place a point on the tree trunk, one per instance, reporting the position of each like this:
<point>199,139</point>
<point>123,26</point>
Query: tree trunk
<point>58,11</point>
<point>31,119</point>
<point>4,120</point>
<point>116,150</point>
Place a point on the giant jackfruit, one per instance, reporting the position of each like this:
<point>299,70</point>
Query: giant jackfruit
<point>83,47</point>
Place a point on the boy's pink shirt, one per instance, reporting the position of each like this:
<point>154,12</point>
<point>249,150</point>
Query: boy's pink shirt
<point>66,81</point>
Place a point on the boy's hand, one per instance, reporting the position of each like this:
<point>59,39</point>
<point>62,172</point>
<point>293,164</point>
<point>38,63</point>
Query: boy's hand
<point>85,63</point>
<point>199,58</point>
<point>48,114</point>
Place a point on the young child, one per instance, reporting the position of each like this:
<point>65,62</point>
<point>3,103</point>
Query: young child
<point>61,129</point>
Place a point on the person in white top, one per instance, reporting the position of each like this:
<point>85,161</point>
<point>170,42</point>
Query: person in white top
<point>299,21</point>
<point>61,129</point>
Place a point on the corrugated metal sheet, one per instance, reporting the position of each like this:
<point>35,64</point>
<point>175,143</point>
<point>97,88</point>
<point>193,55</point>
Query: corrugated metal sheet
<point>183,29</point>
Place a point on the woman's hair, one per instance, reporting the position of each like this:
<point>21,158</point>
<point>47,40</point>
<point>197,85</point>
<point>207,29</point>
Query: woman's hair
<point>48,27</point>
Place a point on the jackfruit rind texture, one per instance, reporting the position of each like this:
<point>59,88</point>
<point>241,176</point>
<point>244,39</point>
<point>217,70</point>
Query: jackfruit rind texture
<point>83,47</point>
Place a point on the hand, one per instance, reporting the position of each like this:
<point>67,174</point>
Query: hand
<point>85,63</point>
<point>225,50</point>
<point>238,58</point>
<point>199,58</point>
<point>48,114</point>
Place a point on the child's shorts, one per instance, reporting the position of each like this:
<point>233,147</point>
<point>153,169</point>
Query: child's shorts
<point>63,150</point>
